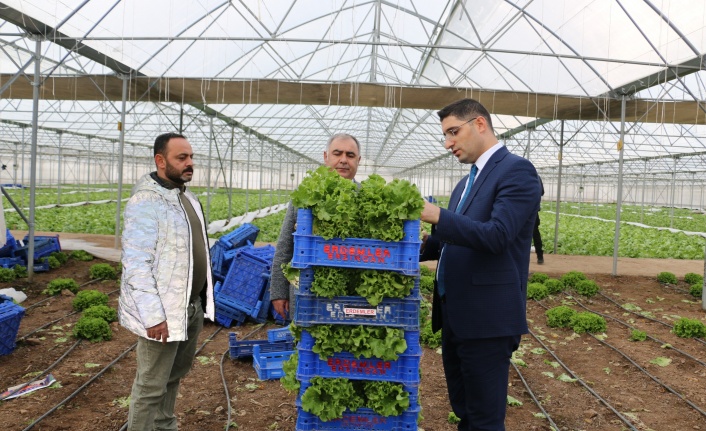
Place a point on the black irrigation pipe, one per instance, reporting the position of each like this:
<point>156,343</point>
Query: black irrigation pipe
<point>223,376</point>
<point>656,340</point>
<point>665,386</point>
<point>582,383</point>
<point>555,427</point>
<point>22,338</point>
<point>225,388</point>
<point>46,370</point>
<point>82,387</point>
<point>698,340</point>
<point>52,297</point>
<point>124,427</point>
<point>647,373</point>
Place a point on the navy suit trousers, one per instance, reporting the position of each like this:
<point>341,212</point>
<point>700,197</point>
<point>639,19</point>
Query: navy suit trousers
<point>477,377</point>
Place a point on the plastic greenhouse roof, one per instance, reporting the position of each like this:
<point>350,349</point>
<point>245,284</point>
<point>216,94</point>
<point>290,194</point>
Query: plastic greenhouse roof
<point>281,76</point>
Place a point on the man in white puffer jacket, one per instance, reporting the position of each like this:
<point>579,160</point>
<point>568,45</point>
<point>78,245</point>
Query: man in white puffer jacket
<point>166,279</point>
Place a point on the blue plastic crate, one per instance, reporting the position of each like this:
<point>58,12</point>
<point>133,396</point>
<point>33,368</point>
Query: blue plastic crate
<point>43,247</point>
<point>405,369</point>
<point>266,252</point>
<point>10,246</point>
<point>10,317</point>
<point>244,348</point>
<point>245,282</point>
<point>217,266</point>
<point>306,278</point>
<point>240,236</point>
<point>280,334</point>
<point>348,310</point>
<point>311,250</point>
<point>361,419</point>
<point>41,265</point>
<point>226,313</point>
<point>10,262</point>
<point>264,308</point>
<point>268,365</point>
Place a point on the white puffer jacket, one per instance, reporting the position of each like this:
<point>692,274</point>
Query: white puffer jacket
<point>157,261</point>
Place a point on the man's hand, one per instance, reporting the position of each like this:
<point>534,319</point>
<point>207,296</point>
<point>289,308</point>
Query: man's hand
<point>159,332</point>
<point>430,213</point>
<point>281,306</point>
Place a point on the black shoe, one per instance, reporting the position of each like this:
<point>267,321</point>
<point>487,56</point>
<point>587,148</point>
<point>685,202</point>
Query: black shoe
<point>540,259</point>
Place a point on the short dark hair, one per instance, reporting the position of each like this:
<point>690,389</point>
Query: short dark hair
<point>343,136</point>
<point>160,144</point>
<point>466,109</point>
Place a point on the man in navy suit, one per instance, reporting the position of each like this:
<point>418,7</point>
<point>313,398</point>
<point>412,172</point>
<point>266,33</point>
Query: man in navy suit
<point>483,248</point>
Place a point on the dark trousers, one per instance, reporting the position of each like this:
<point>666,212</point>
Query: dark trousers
<point>537,238</point>
<point>477,376</point>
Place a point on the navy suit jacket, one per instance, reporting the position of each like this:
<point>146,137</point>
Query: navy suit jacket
<point>487,249</point>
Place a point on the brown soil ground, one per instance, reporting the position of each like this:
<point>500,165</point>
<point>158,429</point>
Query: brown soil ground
<point>629,394</point>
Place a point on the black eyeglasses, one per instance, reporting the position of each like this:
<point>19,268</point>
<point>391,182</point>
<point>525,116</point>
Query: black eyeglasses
<point>452,131</point>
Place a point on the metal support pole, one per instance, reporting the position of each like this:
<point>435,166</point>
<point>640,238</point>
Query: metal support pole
<point>118,206</point>
<point>558,187</point>
<point>88,172</point>
<point>644,187</point>
<point>673,192</point>
<point>247,180</point>
<point>621,148</point>
<point>33,158</point>
<point>230,174</point>
<point>58,174</point>
<point>208,174</point>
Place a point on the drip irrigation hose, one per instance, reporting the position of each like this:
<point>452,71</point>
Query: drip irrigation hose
<point>555,427</point>
<point>223,377</point>
<point>46,370</point>
<point>225,388</point>
<point>658,381</point>
<point>124,427</point>
<point>656,340</point>
<point>698,340</point>
<point>29,307</point>
<point>22,338</point>
<point>654,378</point>
<point>77,391</point>
<point>582,383</point>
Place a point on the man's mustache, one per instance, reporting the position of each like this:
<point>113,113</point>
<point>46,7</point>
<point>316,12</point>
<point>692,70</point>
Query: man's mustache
<point>188,170</point>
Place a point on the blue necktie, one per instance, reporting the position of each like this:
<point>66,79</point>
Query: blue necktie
<point>474,171</point>
<point>440,270</point>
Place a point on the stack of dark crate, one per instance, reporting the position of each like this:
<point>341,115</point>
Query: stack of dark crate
<point>402,313</point>
<point>267,355</point>
<point>10,317</point>
<point>15,253</point>
<point>241,273</point>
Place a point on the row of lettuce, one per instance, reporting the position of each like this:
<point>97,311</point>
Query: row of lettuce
<point>576,236</point>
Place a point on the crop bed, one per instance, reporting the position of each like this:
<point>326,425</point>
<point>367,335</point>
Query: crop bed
<point>618,385</point>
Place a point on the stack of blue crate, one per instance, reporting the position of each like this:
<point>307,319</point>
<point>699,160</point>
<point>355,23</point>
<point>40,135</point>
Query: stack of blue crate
<point>267,355</point>
<point>10,317</point>
<point>401,313</point>
<point>242,274</point>
<point>7,252</point>
<point>223,250</point>
<point>15,253</point>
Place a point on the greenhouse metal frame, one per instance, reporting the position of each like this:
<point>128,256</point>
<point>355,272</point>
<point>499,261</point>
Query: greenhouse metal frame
<point>605,97</point>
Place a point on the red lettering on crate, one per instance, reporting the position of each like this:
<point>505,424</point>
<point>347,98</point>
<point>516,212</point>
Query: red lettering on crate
<point>366,366</point>
<point>357,253</point>
<point>363,421</point>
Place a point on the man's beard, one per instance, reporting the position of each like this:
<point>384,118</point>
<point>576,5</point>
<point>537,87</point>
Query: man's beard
<point>177,176</point>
